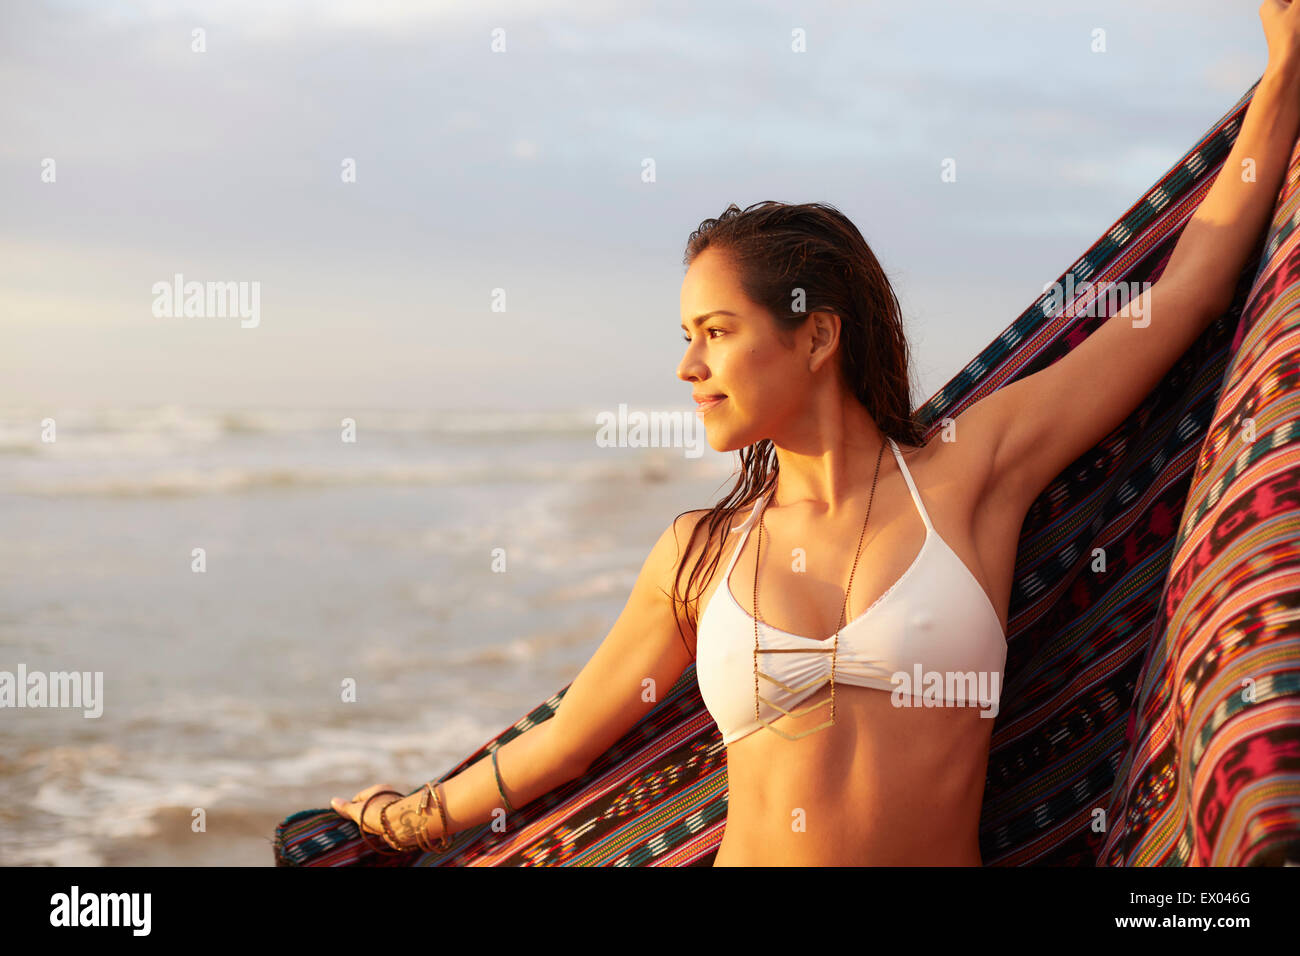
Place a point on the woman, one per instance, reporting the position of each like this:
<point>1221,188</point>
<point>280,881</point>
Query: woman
<point>851,648</point>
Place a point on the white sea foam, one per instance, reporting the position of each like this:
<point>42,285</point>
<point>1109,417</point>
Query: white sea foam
<point>86,797</point>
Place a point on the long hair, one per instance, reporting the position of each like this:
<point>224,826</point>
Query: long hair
<point>778,248</point>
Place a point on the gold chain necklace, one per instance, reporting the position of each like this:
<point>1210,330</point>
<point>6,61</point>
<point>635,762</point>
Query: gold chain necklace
<point>794,650</point>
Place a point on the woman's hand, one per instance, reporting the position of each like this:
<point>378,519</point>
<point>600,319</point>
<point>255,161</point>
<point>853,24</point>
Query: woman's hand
<point>1281,21</point>
<point>403,813</point>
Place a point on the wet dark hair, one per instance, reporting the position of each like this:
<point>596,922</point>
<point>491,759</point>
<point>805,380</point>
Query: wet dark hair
<point>778,248</point>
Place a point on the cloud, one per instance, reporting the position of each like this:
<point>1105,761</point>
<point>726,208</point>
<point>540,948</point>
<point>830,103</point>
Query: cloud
<point>522,170</point>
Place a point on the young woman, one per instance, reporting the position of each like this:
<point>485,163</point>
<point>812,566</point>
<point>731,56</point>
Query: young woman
<point>852,646</point>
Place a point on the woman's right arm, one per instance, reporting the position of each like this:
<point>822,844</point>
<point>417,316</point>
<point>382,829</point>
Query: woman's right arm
<point>635,665</point>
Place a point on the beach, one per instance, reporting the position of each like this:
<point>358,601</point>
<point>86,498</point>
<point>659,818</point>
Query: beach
<point>232,572</point>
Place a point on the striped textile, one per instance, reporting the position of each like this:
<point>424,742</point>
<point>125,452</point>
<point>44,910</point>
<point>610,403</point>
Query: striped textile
<point>1123,737</point>
<point>1213,775</point>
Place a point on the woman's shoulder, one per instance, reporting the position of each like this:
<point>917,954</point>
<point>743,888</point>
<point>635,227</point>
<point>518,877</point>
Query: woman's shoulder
<point>701,541</point>
<point>684,529</point>
<point>676,538</point>
<point>699,535</point>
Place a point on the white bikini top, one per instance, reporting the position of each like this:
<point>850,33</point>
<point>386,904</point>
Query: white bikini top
<point>933,635</point>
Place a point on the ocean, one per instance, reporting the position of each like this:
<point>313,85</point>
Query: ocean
<point>227,571</point>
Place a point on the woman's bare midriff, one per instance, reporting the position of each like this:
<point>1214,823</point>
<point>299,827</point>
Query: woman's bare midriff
<point>886,786</point>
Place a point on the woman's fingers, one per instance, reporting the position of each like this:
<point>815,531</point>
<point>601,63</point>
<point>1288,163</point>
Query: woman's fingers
<point>352,808</point>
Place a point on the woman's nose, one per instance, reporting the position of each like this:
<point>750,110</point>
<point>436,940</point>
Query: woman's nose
<point>690,368</point>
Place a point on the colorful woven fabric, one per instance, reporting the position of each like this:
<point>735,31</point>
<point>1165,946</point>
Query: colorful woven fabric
<point>1124,737</point>
<point>1213,777</point>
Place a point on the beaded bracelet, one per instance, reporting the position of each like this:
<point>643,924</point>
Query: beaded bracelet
<point>389,836</point>
<point>361,825</point>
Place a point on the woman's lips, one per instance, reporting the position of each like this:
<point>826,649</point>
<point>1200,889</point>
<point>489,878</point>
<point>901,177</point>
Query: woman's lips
<point>703,407</point>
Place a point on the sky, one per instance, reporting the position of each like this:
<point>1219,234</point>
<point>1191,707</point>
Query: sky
<point>520,169</point>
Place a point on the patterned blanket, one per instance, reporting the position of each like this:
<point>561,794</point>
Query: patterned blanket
<point>1151,710</point>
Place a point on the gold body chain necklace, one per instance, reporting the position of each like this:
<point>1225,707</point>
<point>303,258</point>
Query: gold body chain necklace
<point>795,650</point>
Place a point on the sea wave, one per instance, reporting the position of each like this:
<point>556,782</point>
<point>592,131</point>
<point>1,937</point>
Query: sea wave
<point>175,481</point>
<point>93,805</point>
<point>22,426</point>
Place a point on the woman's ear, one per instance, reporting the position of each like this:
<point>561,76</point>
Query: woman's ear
<point>825,330</point>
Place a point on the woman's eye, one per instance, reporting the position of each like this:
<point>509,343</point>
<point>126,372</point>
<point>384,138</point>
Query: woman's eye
<point>687,338</point>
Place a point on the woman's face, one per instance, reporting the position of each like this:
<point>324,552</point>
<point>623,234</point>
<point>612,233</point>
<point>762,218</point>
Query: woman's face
<point>735,359</point>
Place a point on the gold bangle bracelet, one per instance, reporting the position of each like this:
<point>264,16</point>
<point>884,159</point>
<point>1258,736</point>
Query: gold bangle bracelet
<point>425,811</point>
<point>443,842</point>
<point>496,769</point>
<point>430,792</point>
<point>421,840</point>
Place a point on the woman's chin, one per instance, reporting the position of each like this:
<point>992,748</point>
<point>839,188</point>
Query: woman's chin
<point>722,441</point>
